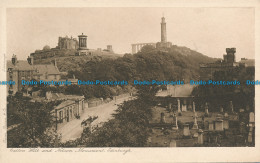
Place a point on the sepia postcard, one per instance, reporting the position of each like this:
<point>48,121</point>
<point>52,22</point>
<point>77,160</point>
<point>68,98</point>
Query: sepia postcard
<point>133,81</point>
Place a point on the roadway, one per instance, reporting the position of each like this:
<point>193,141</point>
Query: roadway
<point>73,129</point>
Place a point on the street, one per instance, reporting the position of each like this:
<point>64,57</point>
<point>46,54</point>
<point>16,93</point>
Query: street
<point>73,129</point>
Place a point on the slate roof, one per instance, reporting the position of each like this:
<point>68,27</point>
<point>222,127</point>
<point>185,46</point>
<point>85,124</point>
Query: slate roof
<point>20,65</point>
<point>49,69</point>
<point>42,69</point>
<point>65,103</point>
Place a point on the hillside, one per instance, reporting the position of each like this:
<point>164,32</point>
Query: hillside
<point>67,63</point>
<point>177,63</point>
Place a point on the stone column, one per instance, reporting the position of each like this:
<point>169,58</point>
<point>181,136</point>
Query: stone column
<point>170,106</point>
<point>200,137</point>
<point>175,122</point>
<point>78,108</point>
<point>231,106</point>
<point>194,109</point>
<point>79,42</point>
<point>251,119</point>
<point>184,105</point>
<point>179,106</point>
<point>206,109</point>
<point>195,125</point>
<point>83,106</point>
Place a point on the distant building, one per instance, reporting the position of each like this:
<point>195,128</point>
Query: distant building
<point>83,49</point>
<point>69,47</point>
<point>159,45</point>
<point>208,70</point>
<point>163,43</point>
<point>109,48</point>
<point>247,62</point>
<point>66,46</point>
<point>68,43</point>
<point>138,46</point>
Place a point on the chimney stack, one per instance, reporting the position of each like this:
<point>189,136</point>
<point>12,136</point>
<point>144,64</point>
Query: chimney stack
<point>30,60</point>
<point>14,59</point>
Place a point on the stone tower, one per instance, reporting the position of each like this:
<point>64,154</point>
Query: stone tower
<point>163,31</point>
<point>163,44</point>
<point>109,48</point>
<point>82,42</point>
<point>82,50</point>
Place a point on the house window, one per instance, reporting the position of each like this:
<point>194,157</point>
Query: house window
<point>61,116</point>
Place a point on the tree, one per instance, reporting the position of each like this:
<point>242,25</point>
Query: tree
<point>34,125</point>
<point>128,129</point>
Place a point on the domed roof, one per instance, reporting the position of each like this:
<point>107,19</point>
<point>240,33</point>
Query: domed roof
<point>46,47</point>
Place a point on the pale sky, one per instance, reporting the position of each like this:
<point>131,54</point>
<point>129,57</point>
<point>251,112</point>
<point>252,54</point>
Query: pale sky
<point>206,30</point>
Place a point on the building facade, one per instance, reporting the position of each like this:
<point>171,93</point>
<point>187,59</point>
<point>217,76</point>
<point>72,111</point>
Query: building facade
<point>17,71</point>
<point>69,109</point>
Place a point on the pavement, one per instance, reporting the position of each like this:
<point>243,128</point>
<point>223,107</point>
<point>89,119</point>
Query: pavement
<point>73,129</point>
